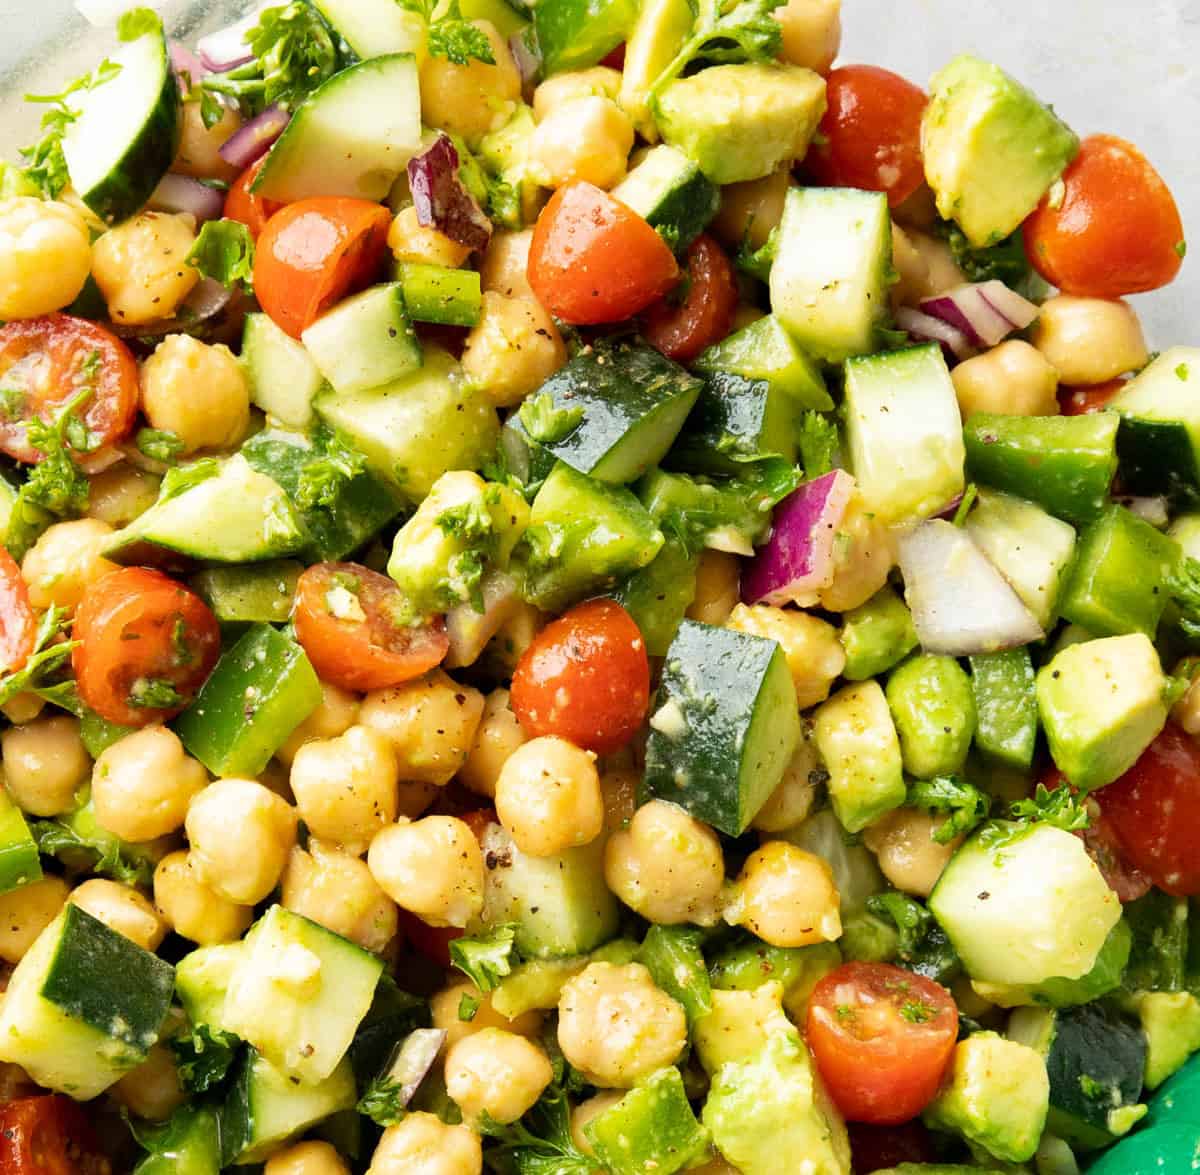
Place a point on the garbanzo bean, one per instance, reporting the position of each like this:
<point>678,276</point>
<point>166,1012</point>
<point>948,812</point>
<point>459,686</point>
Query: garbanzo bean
<point>422,1144</point>
<point>910,858</point>
<point>444,1006</point>
<point>513,348</point>
<point>787,897</point>
<point>44,764</point>
<point>587,139</point>
<point>65,561</point>
<point>498,736</point>
<point>496,1073</point>
<point>1089,340</point>
<point>472,99</point>
<point>504,269</point>
<point>548,797</point>
<point>717,588</point>
<point>306,1158</point>
<point>152,1090</point>
<point>336,713</point>
<point>432,867</point>
<point>191,908</point>
<point>121,908</point>
<point>557,91</point>
<point>337,890</point>
<point>814,654</point>
<point>197,391</point>
<point>752,209</point>
<point>1014,379</point>
<point>121,494</point>
<point>812,32</point>
<point>27,911</point>
<point>45,256</point>
<point>410,240</point>
<point>141,267</point>
<point>200,145</point>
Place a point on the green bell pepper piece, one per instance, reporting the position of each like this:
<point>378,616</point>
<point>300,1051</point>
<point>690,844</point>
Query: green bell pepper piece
<point>19,861</point>
<point>1006,711</point>
<point>673,957</point>
<point>658,595</point>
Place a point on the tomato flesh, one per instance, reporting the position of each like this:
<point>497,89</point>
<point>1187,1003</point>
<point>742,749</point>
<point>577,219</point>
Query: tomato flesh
<point>18,628</point>
<point>882,1038</point>
<point>1116,229</point>
<point>681,330</point>
<point>1083,400</point>
<point>585,678</point>
<point>243,205</point>
<point>48,1135</point>
<point>146,645</point>
<point>593,260</point>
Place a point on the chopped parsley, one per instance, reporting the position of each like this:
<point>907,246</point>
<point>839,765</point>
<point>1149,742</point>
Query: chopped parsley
<point>381,1102</point>
<point>224,251</point>
<point>486,959</point>
<point>159,445</point>
<point>335,463</point>
<point>467,1007</point>
<point>965,805</point>
<point>155,693</point>
<point>546,423</point>
<point>56,483</point>
<point>1062,807</point>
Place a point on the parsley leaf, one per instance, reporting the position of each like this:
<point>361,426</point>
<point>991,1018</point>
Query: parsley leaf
<point>458,40</point>
<point>747,32</point>
<point>965,504</point>
<point>467,1007</point>
<point>182,478</point>
<point>923,946</point>
<point>103,854</point>
<point>224,250</point>
<point>1061,807</point>
<point>486,959</point>
<point>155,693</point>
<point>546,423</point>
<point>137,22</point>
<point>203,1058</point>
<point>381,1102</point>
<point>159,445</point>
<point>49,654</point>
<point>757,262</point>
<point>916,1011</point>
<point>335,463</point>
<point>818,441</point>
<point>1183,586</point>
<point>964,803</point>
<point>1005,261</point>
<point>540,1143</point>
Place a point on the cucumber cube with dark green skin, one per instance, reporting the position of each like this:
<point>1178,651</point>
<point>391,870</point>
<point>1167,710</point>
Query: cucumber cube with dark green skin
<point>673,957</point>
<point>1064,463</point>
<point>188,1143</point>
<point>19,860</point>
<point>575,34</point>
<point>1006,715</point>
<point>724,726</point>
<point>436,293</point>
<point>1118,583</point>
<point>671,194</point>
<point>658,595</point>
<point>1161,930</point>
<point>260,691</point>
<point>877,635</point>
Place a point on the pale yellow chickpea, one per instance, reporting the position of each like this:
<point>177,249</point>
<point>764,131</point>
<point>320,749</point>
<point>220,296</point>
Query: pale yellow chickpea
<point>616,1026</point>
<point>792,799</point>
<point>123,909</point>
<point>45,256</point>
<point>199,145</point>
<point>586,1111</point>
<point>619,788</point>
<point>940,271</point>
<point>44,764</point>
<point>472,99</point>
<point>191,908</point>
<point>65,561</point>
<point>1089,340</point>
<point>240,835</point>
<point>345,787</point>
<point>513,349</point>
<point>422,1144</point>
<point>444,1006</point>
<point>431,867</point>
<point>496,1073</point>
<point>306,1158</point>
<point>912,270</point>
<point>556,91</point>
<point>812,32</point>
<point>750,210</point>
<point>814,654</point>
<point>121,494</point>
<point>337,890</point>
<point>26,912</point>
<point>335,714</point>
<point>667,866</point>
<point>414,799</point>
<point>141,266</point>
<point>498,736</point>
<point>864,555</point>
<point>787,897</point>
<point>431,723</point>
<point>23,707</point>
<point>717,588</point>
<point>585,139</point>
<point>143,783</point>
<point>409,240</point>
<point>548,797</point>
<point>505,265</point>
<point>198,391</point>
<point>1013,379</point>
<point>152,1090</point>
<point>910,858</point>
<point>1185,712</point>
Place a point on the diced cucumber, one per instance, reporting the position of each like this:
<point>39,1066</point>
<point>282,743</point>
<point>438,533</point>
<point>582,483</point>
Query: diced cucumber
<point>574,34</point>
<point>829,281</point>
<point>724,726</point>
<point>19,860</point>
<point>84,1005</point>
<point>661,28</point>
<point>375,28</point>
<point>261,592</point>
<point>507,17</point>
<point>435,293</point>
<point>1005,705</point>
<point>904,433</point>
<point>672,194</point>
<point>202,978</point>
<point>658,595</point>
<point>283,379</point>
<point>188,1143</point>
<point>351,137</point>
<point>126,130</point>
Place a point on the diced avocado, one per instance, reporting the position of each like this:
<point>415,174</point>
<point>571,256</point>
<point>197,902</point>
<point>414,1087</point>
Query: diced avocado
<point>876,635</point>
<point>933,708</point>
<point>535,985</point>
<point>740,122</point>
<point>661,28</point>
<point>505,153</point>
<point>202,978</point>
<point>675,961</point>
<point>858,742</point>
<point>19,861</point>
<point>739,1024</point>
<point>1171,1022</point>
<point>748,965</point>
<point>996,1095</point>
<point>282,375</point>
<point>991,149</point>
<point>1102,703</point>
<point>246,594</point>
<point>668,191</point>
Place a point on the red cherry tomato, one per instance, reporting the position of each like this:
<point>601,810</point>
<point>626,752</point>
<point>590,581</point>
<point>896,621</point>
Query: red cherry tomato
<point>615,59</point>
<point>870,135</point>
<point>880,1148</point>
<point>243,205</point>
<point>1079,401</point>
<point>314,252</point>
<point>146,645</point>
<point>1154,809</point>
<point>360,639</point>
<point>585,678</point>
<point>46,362</point>
<point>681,330</point>
<point>17,626</point>
<point>594,260</point>
<point>1116,230</point>
<point>48,1135</point>
<point>881,1037</point>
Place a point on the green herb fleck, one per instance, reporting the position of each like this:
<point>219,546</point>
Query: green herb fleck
<point>159,445</point>
<point>467,1007</point>
<point>487,958</point>
<point>155,693</point>
<point>546,423</point>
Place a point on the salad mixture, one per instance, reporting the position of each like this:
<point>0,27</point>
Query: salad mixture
<point>584,592</point>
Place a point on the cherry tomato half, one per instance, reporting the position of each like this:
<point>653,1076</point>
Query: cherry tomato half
<point>352,624</point>
<point>593,260</point>
<point>1116,230</point>
<point>18,628</point>
<point>682,329</point>
<point>146,645</point>
<point>585,678</point>
<point>314,252</point>
<point>1154,809</point>
<point>46,362</point>
<point>243,205</point>
<point>48,1135</point>
<point>870,135</point>
<point>1080,401</point>
<point>881,1037</point>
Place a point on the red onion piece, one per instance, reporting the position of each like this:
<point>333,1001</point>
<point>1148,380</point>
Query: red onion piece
<point>926,328</point>
<point>470,630</point>
<point>441,199</point>
<point>1020,312</point>
<point>182,193</point>
<point>254,139</point>
<point>210,311</point>
<point>226,49</point>
<point>796,563</point>
<point>528,62</point>
<point>986,312</point>
<point>413,1059</point>
<point>186,62</point>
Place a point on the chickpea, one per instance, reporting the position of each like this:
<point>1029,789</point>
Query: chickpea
<point>586,1111</point>
<point>584,139</point>
<point>306,1158</point>
<point>431,722</point>
<point>193,910</point>
<point>812,32</point>
<point>557,91</point>
<point>548,797</point>
<point>240,836</point>
<point>504,269</point>
<point>334,715</point>
<point>444,1005</point>
<point>200,145</point>
<point>422,1144</point>
<point>197,391</point>
<point>123,909</point>
<point>142,784</point>
<point>1185,712</point>
<point>513,349</point>
<point>940,270</point>
<point>814,654</point>
<point>44,764</point>
<point>66,561</point>
<point>863,557</point>
<point>911,268</point>
<point>496,1073</point>
<point>45,256</point>
<point>616,1026</point>
<point>498,736</point>
<point>23,707</point>
<point>26,912</point>
<point>910,858</point>
<point>1089,340</point>
<point>752,209</point>
<point>472,99</point>
<point>337,890</point>
<point>410,240</point>
<point>121,494</point>
<point>1013,379</point>
<point>667,866</point>
<point>787,897</point>
<point>432,867</point>
<point>345,787</point>
<point>141,267</point>
<point>792,799</point>
<point>717,588</point>
<point>152,1090</point>
<point>619,788</point>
